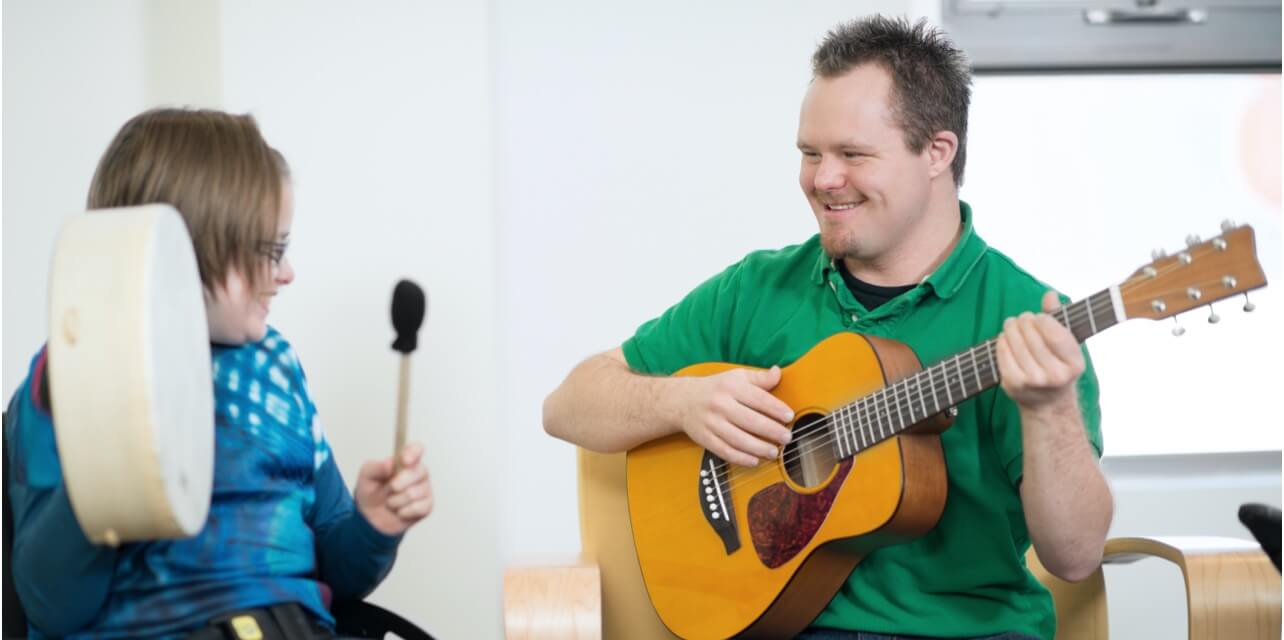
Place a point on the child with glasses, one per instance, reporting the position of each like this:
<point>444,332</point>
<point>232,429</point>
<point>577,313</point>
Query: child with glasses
<point>284,536</point>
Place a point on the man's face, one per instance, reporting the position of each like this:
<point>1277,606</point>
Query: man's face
<point>867,190</point>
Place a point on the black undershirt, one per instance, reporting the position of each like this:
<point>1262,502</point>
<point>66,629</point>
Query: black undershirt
<point>871,296</point>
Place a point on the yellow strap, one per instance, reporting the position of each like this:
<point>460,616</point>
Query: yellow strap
<point>247,628</point>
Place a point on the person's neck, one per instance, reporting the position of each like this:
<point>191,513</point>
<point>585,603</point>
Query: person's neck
<point>918,255</point>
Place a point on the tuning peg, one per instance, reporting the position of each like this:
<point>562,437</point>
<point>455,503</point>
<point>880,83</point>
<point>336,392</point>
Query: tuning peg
<point>1248,304</point>
<point>1157,254</point>
<point>1178,330</point>
<point>1227,225</point>
<point>1213,318</point>
<point>1192,240</point>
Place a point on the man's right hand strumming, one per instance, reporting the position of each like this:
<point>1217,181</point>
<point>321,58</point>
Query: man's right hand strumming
<point>605,406</point>
<point>734,415</point>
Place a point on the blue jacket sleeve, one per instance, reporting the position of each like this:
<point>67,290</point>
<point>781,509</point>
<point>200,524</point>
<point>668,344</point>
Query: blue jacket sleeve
<point>62,579</point>
<point>353,557</point>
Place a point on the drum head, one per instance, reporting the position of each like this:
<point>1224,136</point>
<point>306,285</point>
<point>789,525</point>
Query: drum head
<point>129,374</point>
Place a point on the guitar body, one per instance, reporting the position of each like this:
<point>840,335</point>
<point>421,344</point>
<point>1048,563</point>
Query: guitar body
<point>790,531</point>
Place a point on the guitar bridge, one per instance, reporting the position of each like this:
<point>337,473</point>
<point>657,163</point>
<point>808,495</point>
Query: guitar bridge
<point>715,501</point>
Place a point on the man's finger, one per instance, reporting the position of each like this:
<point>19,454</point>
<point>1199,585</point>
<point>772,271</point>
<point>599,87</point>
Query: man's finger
<point>768,405</point>
<point>757,424</point>
<point>1020,351</point>
<point>1037,343</point>
<point>1051,301</point>
<point>765,378</point>
<point>745,442</point>
<point>1009,368</point>
<point>727,452</point>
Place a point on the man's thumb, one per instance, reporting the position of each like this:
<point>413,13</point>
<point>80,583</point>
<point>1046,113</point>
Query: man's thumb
<point>766,378</point>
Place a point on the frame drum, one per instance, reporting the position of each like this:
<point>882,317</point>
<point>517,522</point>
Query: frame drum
<point>129,375</point>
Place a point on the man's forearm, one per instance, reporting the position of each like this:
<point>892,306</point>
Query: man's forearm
<point>1068,506</point>
<point>604,406</point>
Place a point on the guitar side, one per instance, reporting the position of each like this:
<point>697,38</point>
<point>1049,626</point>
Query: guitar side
<point>769,573</point>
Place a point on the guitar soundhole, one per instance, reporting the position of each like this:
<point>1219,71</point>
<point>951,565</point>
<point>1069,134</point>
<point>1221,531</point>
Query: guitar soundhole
<point>810,458</point>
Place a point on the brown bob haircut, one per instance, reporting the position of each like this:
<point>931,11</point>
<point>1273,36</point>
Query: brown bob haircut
<point>215,168</point>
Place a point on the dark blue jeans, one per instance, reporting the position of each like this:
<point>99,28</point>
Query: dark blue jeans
<point>838,634</point>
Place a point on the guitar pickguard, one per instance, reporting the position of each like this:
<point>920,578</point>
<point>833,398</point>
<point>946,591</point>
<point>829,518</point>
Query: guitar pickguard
<point>782,521</point>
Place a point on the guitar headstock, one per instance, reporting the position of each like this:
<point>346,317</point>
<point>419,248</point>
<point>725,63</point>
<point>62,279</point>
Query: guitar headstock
<point>1202,273</point>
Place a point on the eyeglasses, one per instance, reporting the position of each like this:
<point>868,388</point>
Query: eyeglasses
<point>275,252</point>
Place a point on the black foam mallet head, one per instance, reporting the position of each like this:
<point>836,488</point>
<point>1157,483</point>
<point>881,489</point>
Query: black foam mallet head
<point>408,306</point>
<point>1263,522</point>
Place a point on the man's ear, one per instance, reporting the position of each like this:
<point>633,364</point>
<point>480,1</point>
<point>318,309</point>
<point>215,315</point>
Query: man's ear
<point>940,152</point>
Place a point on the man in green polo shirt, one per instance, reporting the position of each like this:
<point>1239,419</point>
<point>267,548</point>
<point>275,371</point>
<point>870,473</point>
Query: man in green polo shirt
<point>882,133</point>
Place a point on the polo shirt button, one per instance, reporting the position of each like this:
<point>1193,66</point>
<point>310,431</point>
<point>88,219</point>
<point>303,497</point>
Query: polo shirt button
<point>854,318</point>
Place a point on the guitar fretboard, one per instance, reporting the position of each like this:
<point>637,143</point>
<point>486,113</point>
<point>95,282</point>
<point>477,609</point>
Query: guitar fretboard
<point>907,402</point>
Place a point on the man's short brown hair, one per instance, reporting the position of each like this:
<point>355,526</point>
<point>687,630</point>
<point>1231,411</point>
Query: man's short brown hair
<point>931,79</point>
<point>215,168</point>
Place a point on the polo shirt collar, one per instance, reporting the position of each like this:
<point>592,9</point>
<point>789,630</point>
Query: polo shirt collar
<point>949,277</point>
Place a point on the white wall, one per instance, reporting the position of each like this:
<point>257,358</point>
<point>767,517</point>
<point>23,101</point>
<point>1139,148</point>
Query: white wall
<point>73,73</point>
<point>553,174</point>
<point>1079,177</point>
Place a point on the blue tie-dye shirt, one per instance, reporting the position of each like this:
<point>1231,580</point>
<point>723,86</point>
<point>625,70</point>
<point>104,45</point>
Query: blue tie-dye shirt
<point>282,526</point>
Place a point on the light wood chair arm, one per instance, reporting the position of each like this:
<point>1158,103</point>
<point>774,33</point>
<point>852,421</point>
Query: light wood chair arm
<point>1081,606</point>
<point>553,601</point>
<point>1232,589</point>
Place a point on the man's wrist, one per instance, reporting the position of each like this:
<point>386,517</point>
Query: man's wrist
<point>1064,404</point>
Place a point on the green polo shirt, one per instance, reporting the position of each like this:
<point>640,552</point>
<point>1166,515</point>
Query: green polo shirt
<point>967,576</point>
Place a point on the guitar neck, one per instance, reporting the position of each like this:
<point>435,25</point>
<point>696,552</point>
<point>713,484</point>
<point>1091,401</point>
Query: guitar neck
<point>907,402</point>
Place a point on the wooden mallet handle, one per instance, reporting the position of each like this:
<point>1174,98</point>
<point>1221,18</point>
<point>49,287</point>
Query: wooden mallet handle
<point>408,306</point>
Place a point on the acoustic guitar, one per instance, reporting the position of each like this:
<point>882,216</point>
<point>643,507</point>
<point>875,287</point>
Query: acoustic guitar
<point>759,551</point>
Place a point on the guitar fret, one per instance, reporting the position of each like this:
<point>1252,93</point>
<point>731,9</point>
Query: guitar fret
<point>949,397</point>
<point>936,402</point>
<point>854,418</point>
<point>975,369</point>
<point>1092,322</point>
<point>922,399</point>
<point>855,428</point>
<point>860,431</point>
<point>898,407</point>
<point>989,351</point>
<point>882,434</point>
<point>853,437</point>
<point>958,371</point>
